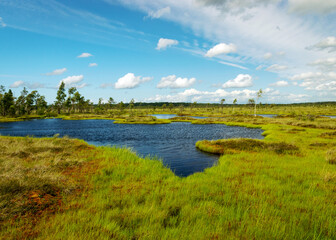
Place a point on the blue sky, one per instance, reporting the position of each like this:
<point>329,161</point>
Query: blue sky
<point>170,50</point>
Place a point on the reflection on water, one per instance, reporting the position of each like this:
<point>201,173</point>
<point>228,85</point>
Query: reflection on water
<point>174,143</point>
<point>267,115</point>
<point>167,116</point>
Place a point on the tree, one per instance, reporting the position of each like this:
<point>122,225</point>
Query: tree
<point>222,103</point>
<point>251,102</point>
<point>131,104</point>
<point>2,92</point>
<point>70,102</point>
<point>111,102</point>
<point>41,105</point>
<point>79,100</point>
<point>234,103</point>
<point>171,106</point>
<point>8,103</point>
<point>194,104</point>
<point>259,95</point>
<point>164,106</point>
<point>60,98</point>
<point>30,101</point>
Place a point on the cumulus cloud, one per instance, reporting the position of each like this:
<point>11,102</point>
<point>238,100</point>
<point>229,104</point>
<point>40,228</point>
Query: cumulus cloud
<point>85,55</point>
<point>276,68</point>
<point>220,49</point>
<point>93,64</point>
<point>328,43</point>
<point>242,80</point>
<point>165,42</point>
<point>2,23</point>
<point>17,84</point>
<point>172,81</point>
<point>56,72</point>
<point>130,81</point>
<point>326,64</point>
<point>73,81</point>
<point>312,6</point>
<point>159,13</point>
<point>209,96</point>
<point>280,84</point>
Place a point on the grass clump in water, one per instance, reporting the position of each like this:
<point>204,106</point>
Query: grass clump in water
<point>232,146</point>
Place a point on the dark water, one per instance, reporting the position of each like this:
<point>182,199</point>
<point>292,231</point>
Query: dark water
<point>174,143</point>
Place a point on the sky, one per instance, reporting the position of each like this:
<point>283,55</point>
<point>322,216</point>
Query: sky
<point>171,50</point>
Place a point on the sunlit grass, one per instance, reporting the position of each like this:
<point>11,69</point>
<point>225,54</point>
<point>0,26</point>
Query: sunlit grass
<point>281,187</point>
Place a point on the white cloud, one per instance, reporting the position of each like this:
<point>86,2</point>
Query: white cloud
<point>220,49</point>
<point>268,55</point>
<point>308,76</point>
<point>316,80</point>
<point>242,80</point>
<point>210,96</point>
<point>328,43</point>
<point>270,28</point>
<point>2,23</point>
<point>57,72</point>
<point>73,81</point>
<point>25,84</point>
<point>93,65</point>
<point>325,64</point>
<point>159,13</point>
<point>172,81</point>
<point>164,43</point>
<point>280,84</point>
<point>233,65</point>
<point>17,84</point>
<point>259,67</point>
<point>85,55</point>
<point>312,6</point>
<point>131,81</point>
<point>276,68</point>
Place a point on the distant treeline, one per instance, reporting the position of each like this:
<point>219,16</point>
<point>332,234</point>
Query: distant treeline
<point>71,101</point>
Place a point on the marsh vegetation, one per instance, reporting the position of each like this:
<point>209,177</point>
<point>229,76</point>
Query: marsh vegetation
<point>281,187</point>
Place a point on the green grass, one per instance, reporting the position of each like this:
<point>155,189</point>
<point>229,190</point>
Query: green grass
<point>282,187</point>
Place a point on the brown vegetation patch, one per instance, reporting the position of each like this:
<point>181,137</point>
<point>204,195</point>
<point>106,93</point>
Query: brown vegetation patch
<point>328,134</point>
<point>30,190</point>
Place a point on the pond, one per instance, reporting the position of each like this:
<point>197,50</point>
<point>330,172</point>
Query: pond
<point>173,143</point>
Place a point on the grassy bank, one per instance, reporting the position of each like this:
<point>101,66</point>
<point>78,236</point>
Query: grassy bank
<point>282,187</point>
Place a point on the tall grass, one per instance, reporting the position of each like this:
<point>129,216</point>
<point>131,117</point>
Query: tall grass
<point>255,193</point>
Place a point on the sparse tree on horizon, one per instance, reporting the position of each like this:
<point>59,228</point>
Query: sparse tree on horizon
<point>259,95</point>
<point>60,98</point>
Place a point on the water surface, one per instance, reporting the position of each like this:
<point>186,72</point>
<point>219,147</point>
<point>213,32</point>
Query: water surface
<point>174,143</point>
<point>167,116</point>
